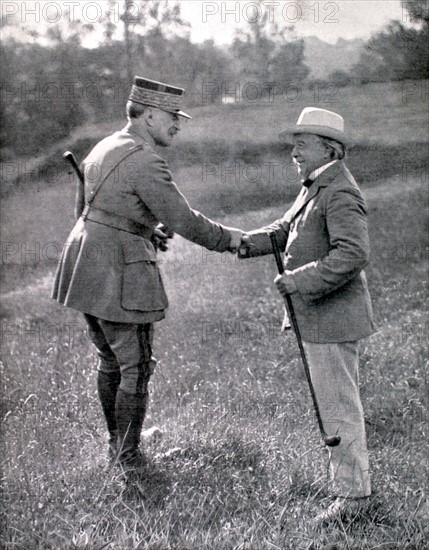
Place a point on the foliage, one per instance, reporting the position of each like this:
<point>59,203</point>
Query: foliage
<point>49,91</point>
<point>265,53</point>
<point>40,103</point>
<point>418,10</point>
<point>90,84</point>
<point>56,89</point>
<point>397,53</point>
<point>138,16</point>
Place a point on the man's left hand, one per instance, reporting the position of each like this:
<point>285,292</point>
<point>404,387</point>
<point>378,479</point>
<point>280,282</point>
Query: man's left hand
<point>285,283</point>
<point>160,236</point>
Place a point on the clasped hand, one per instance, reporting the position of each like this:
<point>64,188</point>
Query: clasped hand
<point>160,236</point>
<point>240,243</point>
<point>285,283</point>
<point>238,238</point>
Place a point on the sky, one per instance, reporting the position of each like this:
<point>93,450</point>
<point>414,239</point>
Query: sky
<point>219,20</point>
<point>328,20</point>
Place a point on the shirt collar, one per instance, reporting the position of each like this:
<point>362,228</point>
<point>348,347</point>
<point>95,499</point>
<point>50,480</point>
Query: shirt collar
<point>316,173</point>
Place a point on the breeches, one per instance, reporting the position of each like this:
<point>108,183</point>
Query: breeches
<point>125,349</point>
<point>334,372</point>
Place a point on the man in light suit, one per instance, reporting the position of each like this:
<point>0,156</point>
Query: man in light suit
<point>109,266</point>
<point>325,238</point>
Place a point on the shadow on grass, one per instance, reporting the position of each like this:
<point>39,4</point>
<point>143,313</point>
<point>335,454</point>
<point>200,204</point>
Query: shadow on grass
<point>150,487</point>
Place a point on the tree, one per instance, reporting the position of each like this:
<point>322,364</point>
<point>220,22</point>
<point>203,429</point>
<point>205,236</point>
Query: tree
<point>418,10</point>
<point>340,78</point>
<point>266,53</point>
<point>130,19</point>
<point>138,19</point>
<point>287,64</point>
<point>396,53</point>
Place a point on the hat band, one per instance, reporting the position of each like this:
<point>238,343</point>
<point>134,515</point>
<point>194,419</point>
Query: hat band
<point>161,100</point>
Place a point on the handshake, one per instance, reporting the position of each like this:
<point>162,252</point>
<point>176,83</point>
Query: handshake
<point>240,243</point>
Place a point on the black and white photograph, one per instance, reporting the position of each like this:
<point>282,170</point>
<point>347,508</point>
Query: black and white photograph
<point>214,284</point>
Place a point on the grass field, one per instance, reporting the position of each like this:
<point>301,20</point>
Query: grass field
<point>240,465</point>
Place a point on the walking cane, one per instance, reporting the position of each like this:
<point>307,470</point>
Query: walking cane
<point>329,440</point>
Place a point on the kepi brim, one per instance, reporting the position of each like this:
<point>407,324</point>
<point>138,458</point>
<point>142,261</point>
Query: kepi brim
<point>184,115</point>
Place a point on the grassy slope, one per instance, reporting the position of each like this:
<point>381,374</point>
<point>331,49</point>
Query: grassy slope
<point>229,392</point>
<point>380,115</point>
<point>259,121</point>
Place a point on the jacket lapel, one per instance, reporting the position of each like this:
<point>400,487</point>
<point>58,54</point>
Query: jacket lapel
<point>307,195</point>
<point>304,198</point>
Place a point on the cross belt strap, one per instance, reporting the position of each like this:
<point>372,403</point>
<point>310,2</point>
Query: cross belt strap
<point>117,222</point>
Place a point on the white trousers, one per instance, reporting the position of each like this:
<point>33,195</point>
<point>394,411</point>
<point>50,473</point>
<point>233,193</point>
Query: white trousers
<point>334,371</point>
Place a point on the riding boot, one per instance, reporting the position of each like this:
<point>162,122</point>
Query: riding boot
<point>108,384</point>
<point>130,413</point>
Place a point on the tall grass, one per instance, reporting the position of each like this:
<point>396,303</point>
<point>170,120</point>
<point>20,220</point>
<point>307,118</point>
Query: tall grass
<point>241,464</point>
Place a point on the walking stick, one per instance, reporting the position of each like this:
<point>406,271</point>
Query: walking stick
<point>329,440</point>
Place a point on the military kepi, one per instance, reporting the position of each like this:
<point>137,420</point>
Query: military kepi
<point>156,94</point>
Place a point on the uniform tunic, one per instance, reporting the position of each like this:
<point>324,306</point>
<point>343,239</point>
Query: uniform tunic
<point>113,274</point>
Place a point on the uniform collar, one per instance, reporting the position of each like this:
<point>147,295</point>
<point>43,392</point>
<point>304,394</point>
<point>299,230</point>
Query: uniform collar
<point>140,133</point>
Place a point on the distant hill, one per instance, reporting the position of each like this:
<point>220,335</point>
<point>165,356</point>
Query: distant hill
<point>323,58</point>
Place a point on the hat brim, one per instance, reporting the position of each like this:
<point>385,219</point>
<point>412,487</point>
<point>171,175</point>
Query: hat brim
<point>288,133</point>
<point>174,111</point>
<point>183,114</point>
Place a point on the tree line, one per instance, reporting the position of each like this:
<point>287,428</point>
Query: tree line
<point>51,87</point>
<point>398,52</point>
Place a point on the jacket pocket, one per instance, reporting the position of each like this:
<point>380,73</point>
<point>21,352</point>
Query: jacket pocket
<point>138,250</point>
<point>142,287</point>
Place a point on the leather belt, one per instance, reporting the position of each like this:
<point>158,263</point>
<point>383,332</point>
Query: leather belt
<point>117,222</point>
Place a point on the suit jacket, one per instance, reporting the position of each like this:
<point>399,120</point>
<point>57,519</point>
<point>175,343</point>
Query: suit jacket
<point>325,238</point>
<point>113,274</point>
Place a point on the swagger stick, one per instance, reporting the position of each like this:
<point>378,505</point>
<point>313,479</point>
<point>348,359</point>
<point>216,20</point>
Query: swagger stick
<point>80,186</point>
<point>329,440</point>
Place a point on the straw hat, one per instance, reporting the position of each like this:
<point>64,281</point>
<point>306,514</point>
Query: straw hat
<point>320,122</point>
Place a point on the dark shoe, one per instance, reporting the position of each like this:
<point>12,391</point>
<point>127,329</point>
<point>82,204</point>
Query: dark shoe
<point>135,462</point>
<point>134,471</point>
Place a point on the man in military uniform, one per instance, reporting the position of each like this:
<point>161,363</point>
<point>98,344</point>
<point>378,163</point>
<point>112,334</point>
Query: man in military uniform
<point>109,267</point>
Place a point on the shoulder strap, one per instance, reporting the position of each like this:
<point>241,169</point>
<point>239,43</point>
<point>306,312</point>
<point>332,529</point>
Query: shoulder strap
<point>128,153</point>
